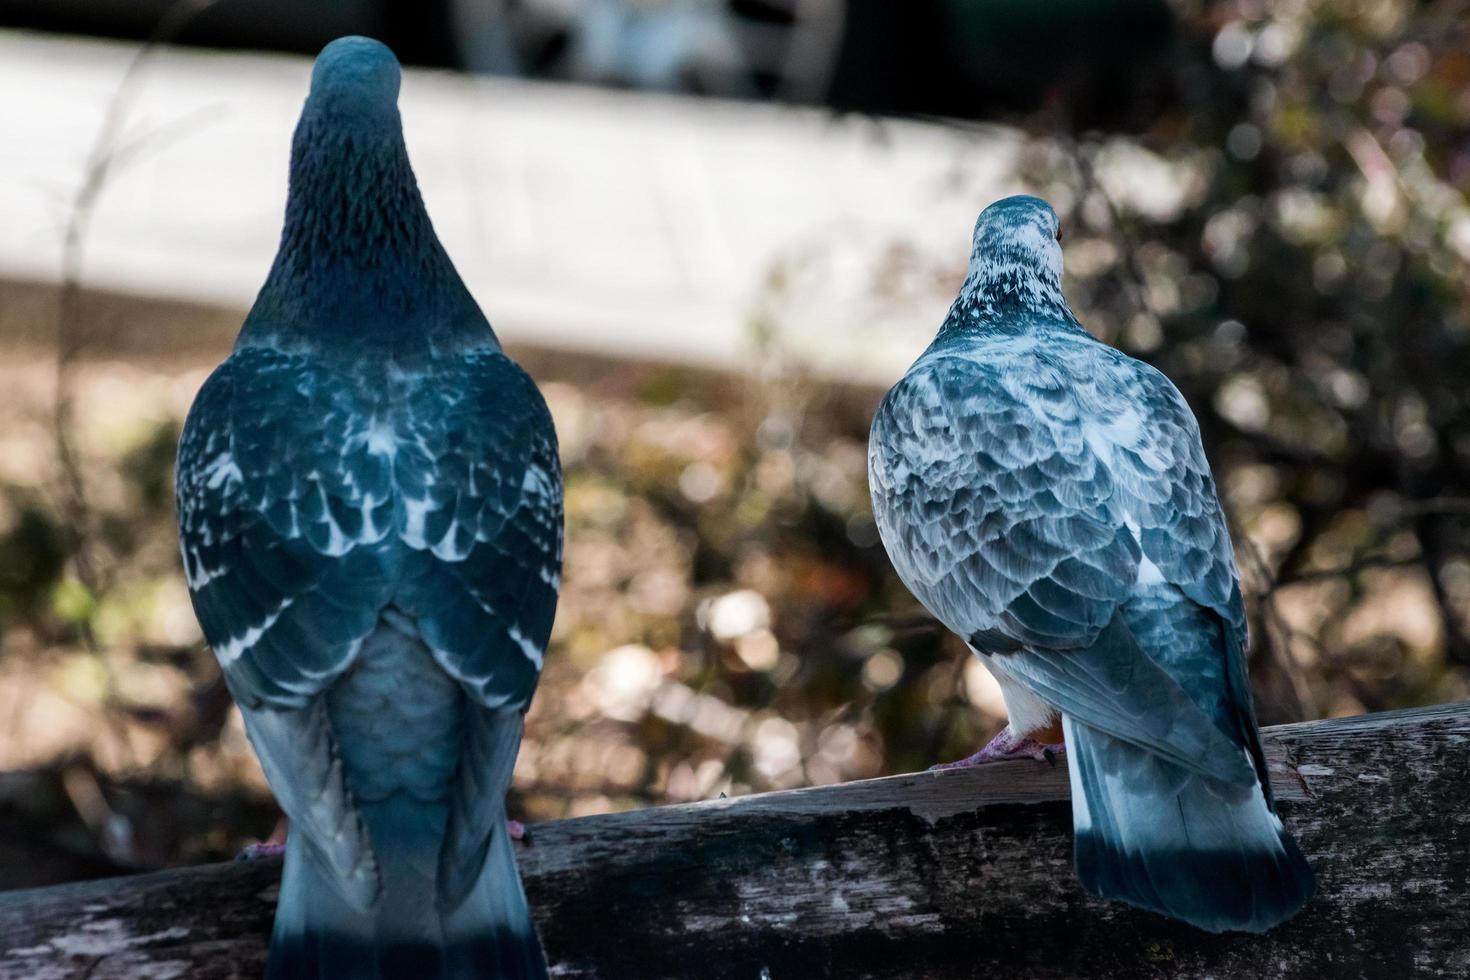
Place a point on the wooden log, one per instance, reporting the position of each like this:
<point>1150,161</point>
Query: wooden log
<point>954,874</point>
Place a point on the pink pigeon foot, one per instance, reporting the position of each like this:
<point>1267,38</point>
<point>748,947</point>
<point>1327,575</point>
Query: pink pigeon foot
<point>272,846</point>
<point>1007,745</point>
<point>517,831</point>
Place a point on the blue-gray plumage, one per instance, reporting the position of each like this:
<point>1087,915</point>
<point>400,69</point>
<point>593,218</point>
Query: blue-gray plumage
<point>1048,499</point>
<point>370,514</point>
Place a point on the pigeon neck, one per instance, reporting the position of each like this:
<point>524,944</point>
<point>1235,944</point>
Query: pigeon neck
<point>1008,298</point>
<point>358,259</point>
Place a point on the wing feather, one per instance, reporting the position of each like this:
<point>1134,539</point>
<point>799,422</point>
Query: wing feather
<point>1023,500</point>
<point>310,503</point>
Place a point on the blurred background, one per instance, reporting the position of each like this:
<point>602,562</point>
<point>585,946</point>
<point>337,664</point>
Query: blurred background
<point>715,231</point>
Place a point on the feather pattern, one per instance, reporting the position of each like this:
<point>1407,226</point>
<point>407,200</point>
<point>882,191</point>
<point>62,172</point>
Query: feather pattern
<point>1047,498</point>
<point>370,512</point>
<point>439,494</point>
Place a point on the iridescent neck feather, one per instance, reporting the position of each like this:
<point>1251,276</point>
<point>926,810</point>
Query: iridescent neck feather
<point>1014,284</point>
<point>359,260</point>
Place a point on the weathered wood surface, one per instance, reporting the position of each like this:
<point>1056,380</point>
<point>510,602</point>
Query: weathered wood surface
<point>952,875</point>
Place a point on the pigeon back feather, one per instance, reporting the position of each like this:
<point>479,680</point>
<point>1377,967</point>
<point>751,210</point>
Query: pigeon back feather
<point>370,511</point>
<point>1047,498</point>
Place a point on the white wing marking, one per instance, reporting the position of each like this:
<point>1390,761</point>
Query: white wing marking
<point>1148,572</point>
<point>381,440</point>
<point>231,650</point>
<point>533,653</point>
<point>413,530</point>
<point>537,482</point>
<point>444,549</point>
<point>220,470</point>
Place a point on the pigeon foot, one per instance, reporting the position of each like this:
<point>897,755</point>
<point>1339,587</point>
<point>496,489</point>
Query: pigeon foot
<point>272,846</point>
<point>1005,746</point>
<point>261,851</point>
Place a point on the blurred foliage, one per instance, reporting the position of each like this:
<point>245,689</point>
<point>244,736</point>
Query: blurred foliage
<point>1286,236</point>
<point>1307,290</point>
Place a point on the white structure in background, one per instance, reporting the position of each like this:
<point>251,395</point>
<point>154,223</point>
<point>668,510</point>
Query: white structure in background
<point>670,45</point>
<point>632,224</point>
<point>653,48</point>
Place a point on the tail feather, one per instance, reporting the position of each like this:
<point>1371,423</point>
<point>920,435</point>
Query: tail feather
<point>508,947</point>
<point>1161,838</point>
<point>319,936</point>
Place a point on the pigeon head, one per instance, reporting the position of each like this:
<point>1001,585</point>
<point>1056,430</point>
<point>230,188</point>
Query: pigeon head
<point>359,264</point>
<point>356,78</point>
<point>1015,275</point>
<point>1020,231</point>
<point>350,119</point>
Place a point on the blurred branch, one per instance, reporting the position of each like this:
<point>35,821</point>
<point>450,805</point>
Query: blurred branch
<point>162,136</point>
<point>1344,571</point>
<point>919,623</point>
<point>1436,556</point>
<point>71,333</point>
<point>1133,281</point>
<point>1278,631</point>
<point>72,337</point>
<point>1437,506</point>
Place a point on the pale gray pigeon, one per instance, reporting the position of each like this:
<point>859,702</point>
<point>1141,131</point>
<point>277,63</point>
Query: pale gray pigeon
<point>1047,498</point>
<point>370,512</point>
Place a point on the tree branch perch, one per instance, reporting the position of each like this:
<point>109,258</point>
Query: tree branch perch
<point>954,874</point>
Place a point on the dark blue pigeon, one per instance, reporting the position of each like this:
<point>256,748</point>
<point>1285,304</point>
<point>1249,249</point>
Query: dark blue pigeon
<point>1047,498</point>
<point>370,511</point>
